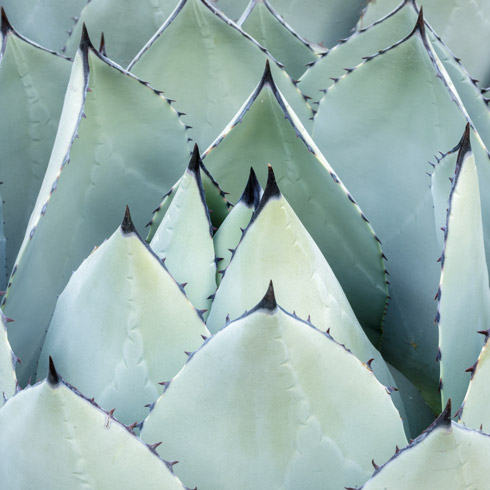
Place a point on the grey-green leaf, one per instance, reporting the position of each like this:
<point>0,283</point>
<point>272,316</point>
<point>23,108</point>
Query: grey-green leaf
<point>121,326</point>
<point>53,437</point>
<point>197,39</point>
<point>184,239</point>
<point>129,149</point>
<point>32,86</point>
<point>274,392</point>
<point>8,379</point>
<point>268,131</point>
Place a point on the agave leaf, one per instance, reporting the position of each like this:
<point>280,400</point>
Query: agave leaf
<point>77,445</point>
<point>464,296</point>
<point>349,53</point>
<point>464,30</point>
<point>32,84</point>
<point>233,9</point>
<point>255,392</point>
<point>121,326</point>
<point>115,155</point>
<point>318,21</point>
<point>184,238</point>
<point>418,414</point>
<point>47,23</point>
<point>230,232</point>
<point>8,380</point>
<point>197,39</point>
<point>447,455</point>
<point>474,410</point>
<point>265,25</point>
<point>277,246</point>
<point>385,170</point>
<point>127,25</point>
<point>267,131</point>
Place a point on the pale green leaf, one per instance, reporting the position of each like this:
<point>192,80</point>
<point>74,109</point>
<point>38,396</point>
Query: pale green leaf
<point>230,232</point>
<point>54,438</point>
<point>46,22</point>
<point>184,239</point>
<point>32,86</point>
<point>209,66</point>
<point>272,402</point>
<point>121,326</point>
<point>266,26</point>
<point>464,296</point>
<point>8,379</point>
<point>267,131</point>
<point>127,25</point>
<point>231,8</point>
<point>386,171</point>
<point>447,455</point>
<point>348,54</point>
<point>131,148</point>
<point>277,246</point>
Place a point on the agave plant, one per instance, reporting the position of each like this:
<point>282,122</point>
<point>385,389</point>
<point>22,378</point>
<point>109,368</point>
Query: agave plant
<point>305,199</point>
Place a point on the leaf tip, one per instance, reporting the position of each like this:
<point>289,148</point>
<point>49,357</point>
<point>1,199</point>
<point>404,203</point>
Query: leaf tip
<point>251,194</point>
<point>53,377</point>
<point>195,161</point>
<point>268,302</point>
<point>5,25</point>
<point>85,42</point>
<point>127,225</point>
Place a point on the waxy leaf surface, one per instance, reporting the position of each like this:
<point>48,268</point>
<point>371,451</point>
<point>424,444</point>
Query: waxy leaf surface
<point>8,379</point>
<point>272,402</point>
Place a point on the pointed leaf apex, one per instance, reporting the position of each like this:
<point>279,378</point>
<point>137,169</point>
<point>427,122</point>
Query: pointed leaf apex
<point>5,24</point>
<point>271,191</point>
<point>251,194</point>
<point>102,44</point>
<point>85,42</point>
<point>53,376</point>
<point>420,25</point>
<point>267,76</point>
<point>195,161</point>
<point>268,302</point>
<point>445,418</point>
<point>127,225</point>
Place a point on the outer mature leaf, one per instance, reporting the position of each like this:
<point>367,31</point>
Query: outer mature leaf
<point>184,238</point>
<point>447,455</point>
<point>127,25</point>
<point>32,85</point>
<point>277,246</point>
<point>8,380</point>
<point>198,39</point>
<point>464,30</point>
<point>77,445</point>
<point>256,393</point>
<point>267,131</point>
<point>121,326</point>
<point>349,53</point>
<point>265,25</point>
<point>131,148</point>
<point>231,8</point>
<point>385,170</point>
<point>230,232</point>
<point>464,296</point>
<point>48,22</point>
<point>318,21</point>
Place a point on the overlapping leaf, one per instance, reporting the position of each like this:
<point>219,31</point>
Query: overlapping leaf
<point>184,238</point>
<point>121,326</point>
<point>32,86</point>
<point>266,26</point>
<point>385,170</point>
<point>52,437</point>
<point>8,379</point>
<point>131,148</point>
<point>272,402</point>
<point>209,66</point>
<point>267,131</point>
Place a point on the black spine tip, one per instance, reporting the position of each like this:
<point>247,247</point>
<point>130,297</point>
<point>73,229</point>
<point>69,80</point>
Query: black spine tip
<point>102,45</point>
<point>267,76</point>
<point>251,194</point>
<point>85,42</point>
<point>268,302</point>
<point>420,25</point>
<point>127,225</point>
<point>271,191</point>
<point>445,418</point>
<point>5,24</point>
<point>53,376</point>
<point>195,161</point>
